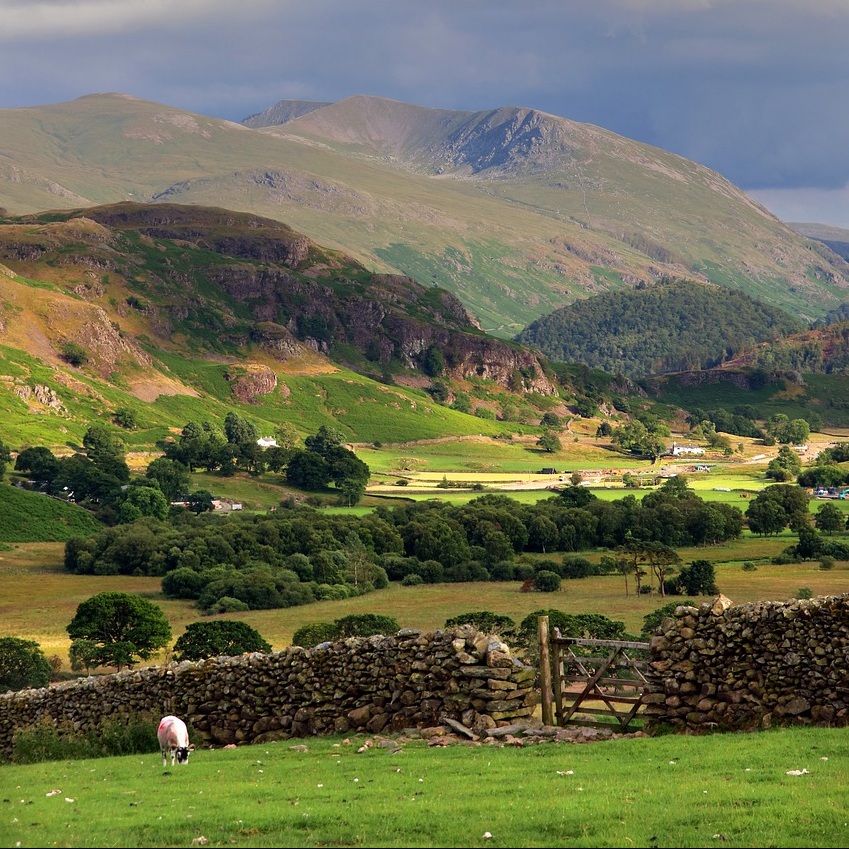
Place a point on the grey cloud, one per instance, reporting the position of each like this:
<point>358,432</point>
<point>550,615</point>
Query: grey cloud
<point>752,88</point>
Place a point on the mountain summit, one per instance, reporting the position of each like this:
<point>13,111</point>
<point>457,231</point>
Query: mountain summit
<point>515,211</point>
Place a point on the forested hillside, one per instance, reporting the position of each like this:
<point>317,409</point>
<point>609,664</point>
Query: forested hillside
<point>821,350</point>
<point>674,325</point>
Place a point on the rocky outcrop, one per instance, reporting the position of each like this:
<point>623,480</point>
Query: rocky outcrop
<point>250,382</point>
<point>237,281</point>
<point>382,321</point>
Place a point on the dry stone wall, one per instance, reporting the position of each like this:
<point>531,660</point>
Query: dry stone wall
<point>744,667</point>
<point>412,679</point>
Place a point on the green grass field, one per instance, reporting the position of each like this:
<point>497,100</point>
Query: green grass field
<point>780,788</point>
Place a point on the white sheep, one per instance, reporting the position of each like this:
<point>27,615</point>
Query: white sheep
<point>174,738</point>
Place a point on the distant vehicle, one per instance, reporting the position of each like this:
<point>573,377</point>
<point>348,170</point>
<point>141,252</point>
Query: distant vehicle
<point>844,493</point>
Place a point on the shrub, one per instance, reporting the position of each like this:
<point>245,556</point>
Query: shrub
<point>804,592</point>
<point>74,354</point>
<point>22,664</point>
<point>826,563</point>
<point>47,742</point>
<point>485,621</point>
<point>576,567</point>
<point>547,582</point>
<point>314,633</point>
<point>748,566</point>
<point>652,620</point>
<point>412,580</point>
<point>224,637</point>
<point>227,604</point>
<point>504,570</point>
<point>366,625</point>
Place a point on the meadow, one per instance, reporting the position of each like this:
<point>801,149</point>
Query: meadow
<point>779,787</point>
<point>775,788</point>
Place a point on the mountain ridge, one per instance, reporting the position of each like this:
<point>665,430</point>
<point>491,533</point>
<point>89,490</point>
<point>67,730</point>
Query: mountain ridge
<point>530,211</point>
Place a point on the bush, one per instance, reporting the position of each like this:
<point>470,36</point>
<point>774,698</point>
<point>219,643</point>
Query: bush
<point>504,570</point>
<point>748,566</point>
<point>412,580</point>
<point>74,354</point>
<point>652,620</point>
<point>804,592</point>
<point>547,582</point>
<point>224,637</point>
<point>826,563</point>
<point>485,621</point>
<point>227,604</point>
<point>22,664</point>
<point>366,625</point>
<point>576,567</point>
<point>47,742</point>
<point>314,634</point>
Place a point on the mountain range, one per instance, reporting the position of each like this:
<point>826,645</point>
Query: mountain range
<point>516,212</point>
<point>373,255</point>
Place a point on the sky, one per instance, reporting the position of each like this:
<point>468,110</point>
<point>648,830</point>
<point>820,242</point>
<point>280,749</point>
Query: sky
<point>757,90</point>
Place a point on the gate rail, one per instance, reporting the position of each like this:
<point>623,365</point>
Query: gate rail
<point>594,681</point>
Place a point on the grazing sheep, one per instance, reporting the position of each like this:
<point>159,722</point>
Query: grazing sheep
<point>174,738</point>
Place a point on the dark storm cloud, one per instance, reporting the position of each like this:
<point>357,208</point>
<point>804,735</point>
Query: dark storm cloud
<point>753,88</point>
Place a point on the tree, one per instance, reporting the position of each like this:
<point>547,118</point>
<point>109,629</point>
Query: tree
<point>100,442</point>
<point>239,430</point>
<point>125,627</point>
<point>143,501</point>
<point>22,664</point>
<point>200,501</point>
<point>829,519</point>
<point>766,517</point>
<point>222,638</point>
<point>699,578</point>
<point>307,470</point>
<point>5,458</point>
<point>324,440</point>
<point>286,435</point>
<point>172,476</point>
<point>785,466</point>
<point>39,462</point>
<point>662,560</point>
<point>549,442</point>
<point>83,654</point>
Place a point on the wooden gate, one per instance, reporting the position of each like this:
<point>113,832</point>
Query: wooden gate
<point>593,682</point>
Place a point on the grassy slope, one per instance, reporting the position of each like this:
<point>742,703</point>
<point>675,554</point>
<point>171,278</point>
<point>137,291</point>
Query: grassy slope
<point>33,517</point>
<point>512,248</point>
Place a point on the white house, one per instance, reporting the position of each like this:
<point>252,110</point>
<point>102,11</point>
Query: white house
<point>679,450</point>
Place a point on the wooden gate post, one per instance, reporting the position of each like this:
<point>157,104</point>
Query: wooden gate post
<point>545,672</point>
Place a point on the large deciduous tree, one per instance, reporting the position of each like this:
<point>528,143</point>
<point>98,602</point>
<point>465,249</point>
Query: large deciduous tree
<point>125,627</point>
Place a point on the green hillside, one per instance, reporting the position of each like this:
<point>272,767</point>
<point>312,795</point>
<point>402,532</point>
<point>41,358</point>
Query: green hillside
<point>33,517</point>
<point>515,211</point>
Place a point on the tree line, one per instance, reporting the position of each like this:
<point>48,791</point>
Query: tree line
<point>98,477</point>
<point>297,554</point>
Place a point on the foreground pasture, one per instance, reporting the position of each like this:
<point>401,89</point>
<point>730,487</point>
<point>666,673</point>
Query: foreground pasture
<point>779,788</point>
